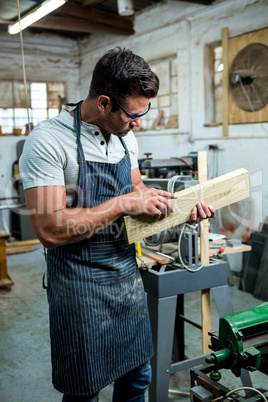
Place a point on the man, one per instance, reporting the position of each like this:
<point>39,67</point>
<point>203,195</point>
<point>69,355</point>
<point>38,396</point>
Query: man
<point>81,176</point>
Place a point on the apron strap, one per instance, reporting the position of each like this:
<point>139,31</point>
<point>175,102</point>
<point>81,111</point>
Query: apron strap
<point>77,125</point>
<point>124,145</point>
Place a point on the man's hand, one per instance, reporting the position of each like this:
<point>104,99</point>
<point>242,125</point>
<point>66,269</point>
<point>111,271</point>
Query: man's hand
<point>148,201</point>
<point>201,211</point>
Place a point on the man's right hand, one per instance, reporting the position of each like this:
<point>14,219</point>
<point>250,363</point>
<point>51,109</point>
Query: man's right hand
<point>150,201</point>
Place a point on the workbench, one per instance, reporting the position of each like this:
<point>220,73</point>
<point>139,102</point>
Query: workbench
<point>5,279</point>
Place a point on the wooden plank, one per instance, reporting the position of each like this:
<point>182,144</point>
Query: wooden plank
<point>204,257</point>
<point>229,250</point>
<point>202,177</point>
<point>18,247</point>
<point>206,320</point>
<point>20,250</point>
<point>219,192</point>
<point>225,82</point>
<point>158,258</point>
<point>5,279</point>
<point>14,244</point>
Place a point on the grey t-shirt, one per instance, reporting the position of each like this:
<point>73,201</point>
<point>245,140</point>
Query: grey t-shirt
<point>49,155</point>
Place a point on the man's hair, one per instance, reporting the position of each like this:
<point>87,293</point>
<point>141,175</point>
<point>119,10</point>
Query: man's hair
<point>120,73</point>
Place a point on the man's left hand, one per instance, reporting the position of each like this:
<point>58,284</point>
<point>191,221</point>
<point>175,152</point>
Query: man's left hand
<point>201,211</point>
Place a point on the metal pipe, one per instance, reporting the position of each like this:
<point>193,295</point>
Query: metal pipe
<point>157,252</point>
<point>179,393</point>
<point>10,198</point>
<point>11,206</point>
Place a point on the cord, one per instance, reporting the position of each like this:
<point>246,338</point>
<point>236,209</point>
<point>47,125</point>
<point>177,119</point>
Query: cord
<point>192,227</point>
<point>170,188</point>
<point>23,68</point>
<point>240,389</point>
<point>171,183</point>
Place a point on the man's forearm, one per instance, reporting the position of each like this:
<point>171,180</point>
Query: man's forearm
<point>70,225</point>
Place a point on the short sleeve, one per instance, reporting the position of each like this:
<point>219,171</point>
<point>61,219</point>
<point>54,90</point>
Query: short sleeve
<point>132,145</point>
<point>41,162</point>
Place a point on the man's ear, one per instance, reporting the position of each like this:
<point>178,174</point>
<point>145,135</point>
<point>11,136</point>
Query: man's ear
<point>104,103</point>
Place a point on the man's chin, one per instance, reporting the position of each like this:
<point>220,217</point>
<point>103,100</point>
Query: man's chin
<point>123,133</point>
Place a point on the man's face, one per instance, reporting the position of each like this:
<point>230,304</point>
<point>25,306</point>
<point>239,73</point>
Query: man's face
<point>119,123</point>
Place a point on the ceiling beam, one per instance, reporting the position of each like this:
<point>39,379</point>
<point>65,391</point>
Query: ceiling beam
<point>92,3</point>
<point>90,14</point>
<point>204,2</point>
<point>78,25</point>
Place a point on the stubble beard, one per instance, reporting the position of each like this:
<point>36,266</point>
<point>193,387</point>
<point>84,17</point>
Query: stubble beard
<point>112,128</point>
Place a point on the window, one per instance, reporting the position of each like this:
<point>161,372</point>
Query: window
<point>213,83</point>
<point>164,108</point>
<point>44,101</point>
<point>217,83</point>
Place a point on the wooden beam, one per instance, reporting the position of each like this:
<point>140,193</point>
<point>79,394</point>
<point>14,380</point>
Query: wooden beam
<point>5,279</point>
<point>225,82</point>
<point>99,16</point>
<point>219,192</point>
<point>92,3</point>
<point>202,177</point>
<point>203,2</point>
<point>204,257</point>
<point>78,25</point>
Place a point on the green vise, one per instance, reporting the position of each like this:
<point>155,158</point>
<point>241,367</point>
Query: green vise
<point>242,342</point>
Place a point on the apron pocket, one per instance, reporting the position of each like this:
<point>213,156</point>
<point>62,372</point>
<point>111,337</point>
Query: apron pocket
<point>112,262</point>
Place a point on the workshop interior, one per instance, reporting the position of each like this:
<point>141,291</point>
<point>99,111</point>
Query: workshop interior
<point>205,138</point>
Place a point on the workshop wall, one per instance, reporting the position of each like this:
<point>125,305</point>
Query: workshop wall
<point>47,58</point>
<point>181,29</point>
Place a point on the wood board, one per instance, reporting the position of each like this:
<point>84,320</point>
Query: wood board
<point>151,259</point>
<point>18,247</point>
<point>219,192</point>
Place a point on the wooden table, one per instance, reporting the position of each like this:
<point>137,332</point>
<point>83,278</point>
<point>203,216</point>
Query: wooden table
<point>214,250</point>
<point>5,279</point>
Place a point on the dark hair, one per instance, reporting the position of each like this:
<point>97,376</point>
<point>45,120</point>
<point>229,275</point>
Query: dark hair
<point>121,73</point>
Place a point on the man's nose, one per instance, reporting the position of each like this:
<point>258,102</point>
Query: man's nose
<point>136,122</point>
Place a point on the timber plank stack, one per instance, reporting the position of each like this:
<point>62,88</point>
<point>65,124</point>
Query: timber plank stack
<point>18,247</point>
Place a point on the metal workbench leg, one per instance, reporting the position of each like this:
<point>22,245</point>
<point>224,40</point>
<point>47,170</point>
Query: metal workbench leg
<point>162,315</point>
<point>179,344</point>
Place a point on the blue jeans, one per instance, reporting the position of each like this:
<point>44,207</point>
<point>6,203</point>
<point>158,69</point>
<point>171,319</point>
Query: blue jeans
<point>131,387</point>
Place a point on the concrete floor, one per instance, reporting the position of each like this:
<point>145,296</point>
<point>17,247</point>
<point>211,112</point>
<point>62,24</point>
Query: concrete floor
<point>25,369</point>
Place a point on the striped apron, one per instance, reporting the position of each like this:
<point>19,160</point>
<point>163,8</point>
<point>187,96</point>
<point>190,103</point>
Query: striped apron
<point>99,321</point>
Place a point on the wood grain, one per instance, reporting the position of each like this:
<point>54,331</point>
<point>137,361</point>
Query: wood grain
<point>219,192</point>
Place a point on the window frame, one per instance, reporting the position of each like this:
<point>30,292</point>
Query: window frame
<point>30,108</point>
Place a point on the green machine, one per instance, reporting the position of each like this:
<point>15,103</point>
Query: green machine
<point>241,343</point>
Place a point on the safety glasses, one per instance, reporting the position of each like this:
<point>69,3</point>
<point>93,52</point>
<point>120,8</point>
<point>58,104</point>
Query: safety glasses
<point>132,116</point>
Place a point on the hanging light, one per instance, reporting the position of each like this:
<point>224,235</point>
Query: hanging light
<point>45,8</point>
<point>125,7</point>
